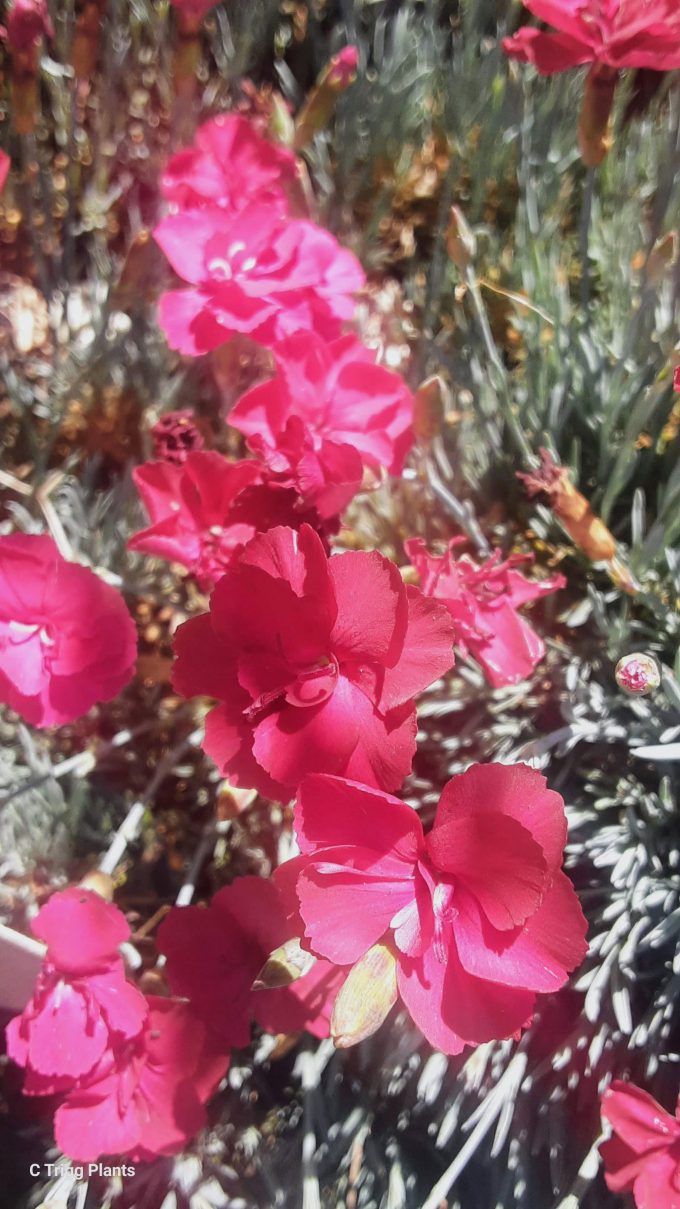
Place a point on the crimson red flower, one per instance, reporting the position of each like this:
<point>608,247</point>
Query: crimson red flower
<point>341,396</point>
<point>643,1156</point>
<point>146,1097</point>
<point>27,22</point>
<point>66,637</point>
<point>230,165</point>
<point>175,436</point>
<point>613,33</point>
<point>478,913</point>
<point>205,510</point>
<point>315,663</point>
<point>5,165</point>
<point>214,955</point>
<point>254,273</point>
<point>82,1005</point>
<point>343,67</point>
<point>483,602</point>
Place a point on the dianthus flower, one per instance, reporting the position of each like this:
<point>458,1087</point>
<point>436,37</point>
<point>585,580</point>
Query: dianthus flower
<point>315,663</point>
<point>66,637</point>
<point>483,602</point>
<point>341,396</point>
<point>27,22</point>
<point>175,436</point>
<point>610,35</point>
<point>205,510</point>
<point>5,165</point>
<point>478,914</point>
<point>214,955</point>
<point>194,8</point>
<point>613,33</point>
<point>82,1005</point>
<point>643,1156</point>
<point>146,1097</point>
<point>256,274</point>
<point>230,165</point>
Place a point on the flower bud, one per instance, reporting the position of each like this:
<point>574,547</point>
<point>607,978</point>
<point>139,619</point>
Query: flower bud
<point>285,965</point>
<point>430,402</point>
<point>335,78</point>
<point>637,674</point>
<point>461,244</point>
<point>367,995</point>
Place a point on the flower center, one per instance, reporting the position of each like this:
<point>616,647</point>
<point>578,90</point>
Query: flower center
<point>314,684</point>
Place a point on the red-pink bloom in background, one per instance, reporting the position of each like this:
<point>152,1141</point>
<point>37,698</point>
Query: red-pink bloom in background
<point>342,397</point>
<point>27,22</point>
<point>315,663</point>
<point>82,1005</point>
<point>256,274</point>
<point>230,165</point>
<point>643,1156</point>
<point>614,33</point>
<point>205,510</point>
<point>676,378</point>
<point>483,602</point>
<point>194,8</point>
<point>342,69</point>
<point>478,913</point>
<point>5,165</point>
<point>325,476</point>
<point>214,955</point>
<point>66,637</point>
<point>146,1097</point>
<point>175,436</point>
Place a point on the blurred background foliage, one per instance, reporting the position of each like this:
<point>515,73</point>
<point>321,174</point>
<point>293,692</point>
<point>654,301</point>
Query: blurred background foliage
<point>551,317</point>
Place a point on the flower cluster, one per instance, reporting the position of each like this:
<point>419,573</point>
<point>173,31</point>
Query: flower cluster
<point>132,1073</point>
<point>66,637</point>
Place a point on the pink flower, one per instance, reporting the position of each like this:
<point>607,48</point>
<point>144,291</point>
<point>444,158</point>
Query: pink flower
<point>214,956</point>
<point>483,602</point>
<point>146,1097</point>
<point>254,273</point>
<point>66,637</point>
<point>611,33</point>
<point>230,165</point>
<point>204,511</point>
<point>643,1156</point>
<point>175,436</point>
<point>325,476</point>
<point>5,165</point>
<point>82,1005</point>
<point>676,378</point>
<point>27,22</point>
<point>478,913</point>
<point>194,8</point>
<point>342,70</point>
<point>342,397</point>
<point>315,663</point>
